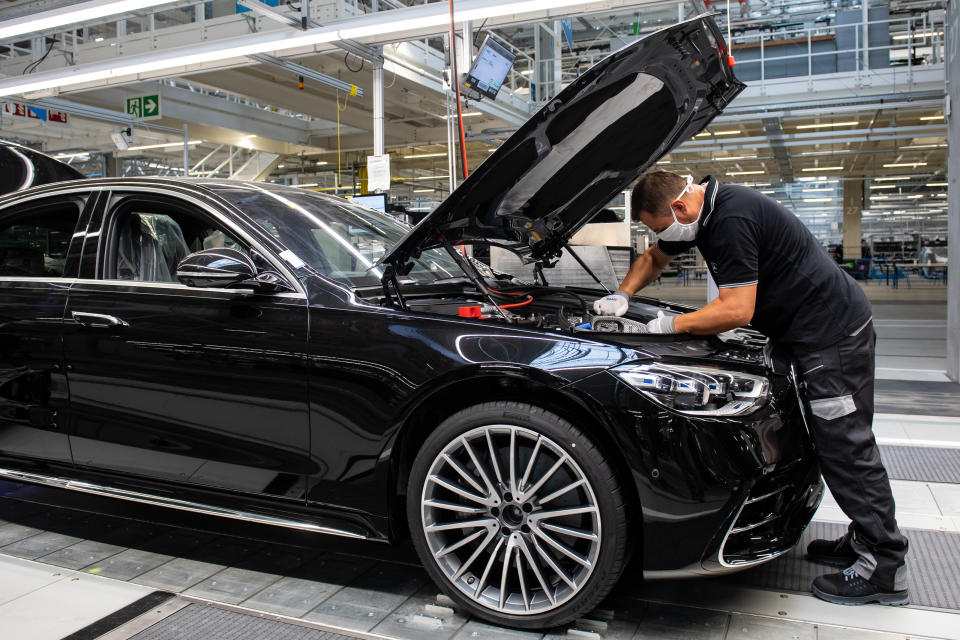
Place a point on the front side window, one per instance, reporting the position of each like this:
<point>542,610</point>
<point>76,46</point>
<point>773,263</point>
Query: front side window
<point>150,237</point>
<point>340,240</point>
<point>35,239</point>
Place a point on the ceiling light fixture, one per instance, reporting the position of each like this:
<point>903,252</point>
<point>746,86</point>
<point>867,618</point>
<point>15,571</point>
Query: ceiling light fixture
<point>827,124</point>
<point>465,115</point>
<point>932,117</point>
<point>730,132</point>
<point>831,189</point>
<point>424,190</point>
<point>818,199</point>
<point>744,173</point>
<point>937,184</point>
<point>837,168</point>
<point>904,164</point>
<point>71,15</point>
<point>884,186</point>
<point>889,178</point>
<point>429,16</point>
<point>426,155</point>
<point>166,145</point>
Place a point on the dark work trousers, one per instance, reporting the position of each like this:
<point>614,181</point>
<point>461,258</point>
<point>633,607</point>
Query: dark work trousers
<point>839,386</point>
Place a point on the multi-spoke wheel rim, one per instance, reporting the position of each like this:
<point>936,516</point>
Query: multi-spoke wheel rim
<point>511,520</point>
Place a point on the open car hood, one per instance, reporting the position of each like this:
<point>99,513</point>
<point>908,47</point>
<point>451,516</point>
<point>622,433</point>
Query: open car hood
<point>585,146</point>
<point>22,168</point>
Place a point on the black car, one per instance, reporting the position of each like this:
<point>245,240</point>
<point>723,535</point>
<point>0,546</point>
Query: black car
<point>277,355</point>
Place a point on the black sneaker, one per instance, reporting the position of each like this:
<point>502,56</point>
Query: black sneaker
<point>848,587</point>
<point>836,553</point>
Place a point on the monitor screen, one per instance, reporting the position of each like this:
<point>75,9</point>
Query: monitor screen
<point>375,201</point>
<point>490,68</point>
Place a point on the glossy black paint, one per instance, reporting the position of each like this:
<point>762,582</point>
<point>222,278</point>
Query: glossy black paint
<point>309,400</point>
<point>219,268</point>
<point>313,404</point>
<point>22,168</point>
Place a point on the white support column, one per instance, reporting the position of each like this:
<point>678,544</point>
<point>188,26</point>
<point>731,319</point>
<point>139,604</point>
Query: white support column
<point>865,6</point>
<point>186,152</point>
<point>378,109</point>
<point>952,33</point>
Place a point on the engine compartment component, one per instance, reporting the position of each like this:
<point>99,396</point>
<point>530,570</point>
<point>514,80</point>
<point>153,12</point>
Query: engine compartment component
<point>616,324</point>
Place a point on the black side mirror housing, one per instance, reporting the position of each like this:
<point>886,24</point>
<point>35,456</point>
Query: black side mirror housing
<point>219,268</point>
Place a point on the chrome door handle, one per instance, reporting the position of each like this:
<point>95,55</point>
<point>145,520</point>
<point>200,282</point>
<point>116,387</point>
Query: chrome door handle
<point>98,320</point>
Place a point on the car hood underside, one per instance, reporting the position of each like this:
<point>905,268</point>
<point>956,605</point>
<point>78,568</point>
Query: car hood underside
<point>585,146</point>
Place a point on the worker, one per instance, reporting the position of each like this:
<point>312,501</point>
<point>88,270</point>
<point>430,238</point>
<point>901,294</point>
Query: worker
<point>773,274</point>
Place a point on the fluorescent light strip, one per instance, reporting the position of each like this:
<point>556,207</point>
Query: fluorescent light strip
<point>166,145</point>
<point>465,115</point>
<point>730,132</point>
<point>840,168</point>
<point>818,199</point>
<point>744,173</point>
<point>830,189</point>
<point>937,184</point>
<point>827,124</point>
<point>922,34</point>
<point>904,164</point>
<point>889,178</point>
<point>884,186</point>
<point>426,16</point>
<point>70,15</point>
<point>425,155</point>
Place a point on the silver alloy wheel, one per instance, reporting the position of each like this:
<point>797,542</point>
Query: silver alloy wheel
<point>511,519</point>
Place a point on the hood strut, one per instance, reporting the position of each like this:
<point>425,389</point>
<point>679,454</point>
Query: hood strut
<point>585,267</point>
<point>474,275</point>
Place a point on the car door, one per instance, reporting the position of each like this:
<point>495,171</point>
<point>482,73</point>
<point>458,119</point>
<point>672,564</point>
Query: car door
<point>168,382</point>
<point>40,241</point>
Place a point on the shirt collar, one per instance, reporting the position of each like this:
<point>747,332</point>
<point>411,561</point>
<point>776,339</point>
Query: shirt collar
<point>709,199</point>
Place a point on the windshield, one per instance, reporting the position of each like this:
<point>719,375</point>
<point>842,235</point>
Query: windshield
<point>340,240</point>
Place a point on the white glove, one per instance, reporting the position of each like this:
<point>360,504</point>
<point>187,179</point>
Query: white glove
<point>615,304</point>
<point>661,324</point>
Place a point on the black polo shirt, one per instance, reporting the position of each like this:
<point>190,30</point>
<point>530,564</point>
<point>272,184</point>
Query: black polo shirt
<point>803,297</point>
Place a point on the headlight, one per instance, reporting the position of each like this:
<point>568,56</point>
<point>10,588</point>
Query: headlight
<point>699,391</point>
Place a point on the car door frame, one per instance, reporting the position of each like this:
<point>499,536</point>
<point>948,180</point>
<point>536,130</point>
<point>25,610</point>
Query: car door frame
<point>59,387</point>
<point>96,249</point>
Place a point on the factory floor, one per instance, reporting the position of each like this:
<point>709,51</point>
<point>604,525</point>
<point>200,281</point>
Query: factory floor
<point>76,566</point>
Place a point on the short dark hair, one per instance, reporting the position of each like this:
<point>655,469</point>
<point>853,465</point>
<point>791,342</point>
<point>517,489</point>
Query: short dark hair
<point>653,192</point>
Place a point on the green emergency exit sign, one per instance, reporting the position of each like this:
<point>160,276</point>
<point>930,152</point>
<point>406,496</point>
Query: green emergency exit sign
<point>144,107</point>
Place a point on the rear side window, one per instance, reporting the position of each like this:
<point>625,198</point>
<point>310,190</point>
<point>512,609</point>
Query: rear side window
<point>34,240</point>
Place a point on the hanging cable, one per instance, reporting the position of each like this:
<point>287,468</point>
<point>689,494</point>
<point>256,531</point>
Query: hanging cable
<point>346,97</point>
<point>729,37</point>
<point>456,82</point>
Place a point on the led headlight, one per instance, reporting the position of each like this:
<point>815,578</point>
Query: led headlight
<point>700,391</point>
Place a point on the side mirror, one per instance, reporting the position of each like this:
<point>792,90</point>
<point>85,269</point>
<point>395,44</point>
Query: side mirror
<point>219,268</point>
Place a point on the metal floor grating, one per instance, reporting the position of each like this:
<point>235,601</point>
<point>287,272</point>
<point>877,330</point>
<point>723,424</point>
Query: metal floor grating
<point>926,464</point>
<point>933,566</point>
<point>201,622</point>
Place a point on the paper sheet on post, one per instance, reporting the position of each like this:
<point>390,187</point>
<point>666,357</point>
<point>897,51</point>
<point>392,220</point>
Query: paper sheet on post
<point>378,173</point>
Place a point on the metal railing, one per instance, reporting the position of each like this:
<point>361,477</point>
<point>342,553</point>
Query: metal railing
<point>905,42</point>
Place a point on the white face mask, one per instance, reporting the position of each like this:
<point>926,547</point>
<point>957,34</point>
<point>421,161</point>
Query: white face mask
<point>680,231</point>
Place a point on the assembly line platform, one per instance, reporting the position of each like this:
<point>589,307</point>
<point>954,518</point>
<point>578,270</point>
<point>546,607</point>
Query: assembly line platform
<point>121,570</point>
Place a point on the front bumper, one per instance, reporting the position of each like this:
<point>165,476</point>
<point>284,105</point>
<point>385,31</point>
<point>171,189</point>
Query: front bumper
<point>717,494</point>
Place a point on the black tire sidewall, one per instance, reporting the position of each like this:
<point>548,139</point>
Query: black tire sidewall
<point>592,462</point>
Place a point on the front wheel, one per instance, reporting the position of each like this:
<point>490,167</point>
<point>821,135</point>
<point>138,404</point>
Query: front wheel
<point>517,515</point>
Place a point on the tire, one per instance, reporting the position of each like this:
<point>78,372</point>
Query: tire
<point>565,513</point>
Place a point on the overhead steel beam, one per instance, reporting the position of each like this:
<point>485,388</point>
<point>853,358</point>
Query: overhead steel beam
<point>410,23</point>
<point>77,15</point>
<point>774,131</point>
<point>307,72</point>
